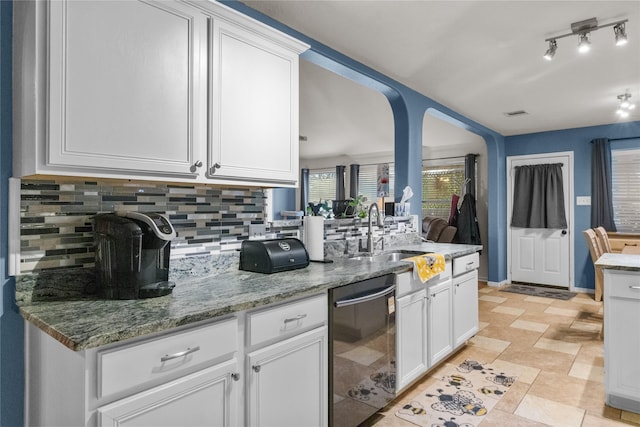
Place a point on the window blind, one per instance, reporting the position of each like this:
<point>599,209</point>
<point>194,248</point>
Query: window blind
<point>625,182</point>
<point>439,183</point>
<point>322,185</point>
<point>369,182</point>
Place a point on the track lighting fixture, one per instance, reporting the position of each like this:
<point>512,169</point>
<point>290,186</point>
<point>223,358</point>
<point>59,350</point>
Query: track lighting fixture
<point>625,105</point>
<point>583,29</point>
<point>584,45</point>
<point>553,46</point>
<point>621,34</point>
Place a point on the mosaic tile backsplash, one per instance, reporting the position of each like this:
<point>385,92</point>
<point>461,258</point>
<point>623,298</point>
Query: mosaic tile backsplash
<point>56,217</point>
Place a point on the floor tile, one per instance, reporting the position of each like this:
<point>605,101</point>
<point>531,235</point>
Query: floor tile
<point>587,372</point>
<point>539,300</point>
<point>529,326</point>
<point>508,310</point>
<point>482,325</point>
<point>498,418</point>
<point>595,421</point>
<point>490,343</point>
<point>556,345</point>
<point>571,391</point>
<point>491,298</point>
<point>525,374</point>
<point>549,412</point>
<point>486,290</point>
<point>562,311</point>
<point>586,326</point>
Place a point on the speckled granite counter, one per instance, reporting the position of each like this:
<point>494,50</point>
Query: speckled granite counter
<point>619,262</point>
<point>82,321</point>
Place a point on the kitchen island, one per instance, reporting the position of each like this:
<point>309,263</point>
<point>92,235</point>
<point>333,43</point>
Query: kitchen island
<point>227,348</point>
<point>621,329</point>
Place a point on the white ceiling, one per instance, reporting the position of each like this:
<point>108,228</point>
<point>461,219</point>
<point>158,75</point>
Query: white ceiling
<point>479,58</point>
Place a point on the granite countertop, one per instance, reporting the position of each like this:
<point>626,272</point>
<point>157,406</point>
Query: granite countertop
<point>85,322</point>
<point>629,262</point>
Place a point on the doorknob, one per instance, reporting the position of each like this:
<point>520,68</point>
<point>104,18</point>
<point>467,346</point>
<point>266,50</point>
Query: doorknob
<point>564,232</point>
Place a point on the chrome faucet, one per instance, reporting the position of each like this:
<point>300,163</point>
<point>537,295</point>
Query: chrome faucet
<point>379,223</point>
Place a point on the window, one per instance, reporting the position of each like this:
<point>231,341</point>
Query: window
<point>625,181</point>
<point>322,185</point>
<point>439,183</point>
<point>369,182</point>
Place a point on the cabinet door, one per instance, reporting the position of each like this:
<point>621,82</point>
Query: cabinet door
<point>254,123</point>
<point>439,324</point>
<point>465,307</point>
<point>123,78</point>
<point>287,382</point>
<point>411,333</point>
<point>206,398</point>
<point>622,339</point>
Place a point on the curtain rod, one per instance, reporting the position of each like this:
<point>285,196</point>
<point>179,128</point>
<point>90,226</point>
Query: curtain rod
<point>622,139</point>
<point>452,157</point>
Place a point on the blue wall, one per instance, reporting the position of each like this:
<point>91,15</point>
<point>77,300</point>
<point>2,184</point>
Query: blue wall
<point>579,141</point>
<point>408,108</point>
<point>11,327</point>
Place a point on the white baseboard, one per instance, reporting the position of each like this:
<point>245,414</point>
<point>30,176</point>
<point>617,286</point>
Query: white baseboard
<point>583,290</point>
<point>498,284</point>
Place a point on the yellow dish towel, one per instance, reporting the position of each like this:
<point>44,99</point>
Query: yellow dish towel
<point>426,266</point>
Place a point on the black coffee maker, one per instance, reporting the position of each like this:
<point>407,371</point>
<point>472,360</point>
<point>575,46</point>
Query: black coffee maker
<point>132,255</point>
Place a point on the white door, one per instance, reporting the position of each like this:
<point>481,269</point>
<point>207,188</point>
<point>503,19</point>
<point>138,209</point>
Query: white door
<point>440,322</point>
<point>287,382</point>
<point>542,255</point>
<point>206,398</point>
<point>411,335</point>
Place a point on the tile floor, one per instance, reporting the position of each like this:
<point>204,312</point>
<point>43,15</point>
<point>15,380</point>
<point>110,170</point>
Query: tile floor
<point>555,348</point>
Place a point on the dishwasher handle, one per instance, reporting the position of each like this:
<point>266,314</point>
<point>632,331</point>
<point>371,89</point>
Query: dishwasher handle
<point>364,298</point>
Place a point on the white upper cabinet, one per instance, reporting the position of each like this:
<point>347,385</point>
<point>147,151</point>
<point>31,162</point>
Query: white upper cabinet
<point>254,117</point>
<point>162,90</point>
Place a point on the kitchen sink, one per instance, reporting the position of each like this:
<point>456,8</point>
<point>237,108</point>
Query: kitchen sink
<point>385,256</point>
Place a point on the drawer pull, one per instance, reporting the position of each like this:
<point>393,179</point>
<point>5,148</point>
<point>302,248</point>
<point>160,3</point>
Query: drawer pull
<point>295,319</point>
<point>634,287</point>
<point>167,357</point>
<point>256,368</point>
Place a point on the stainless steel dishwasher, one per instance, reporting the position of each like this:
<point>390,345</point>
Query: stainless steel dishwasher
<point>362,349</point>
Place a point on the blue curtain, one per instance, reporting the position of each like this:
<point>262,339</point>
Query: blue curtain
<point>601,195</point>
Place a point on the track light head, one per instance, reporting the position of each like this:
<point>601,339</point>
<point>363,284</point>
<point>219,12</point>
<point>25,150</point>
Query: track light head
<point>621,34</point>
<point>625,106</point>
<point>584,45</point>
<point>553,46</point>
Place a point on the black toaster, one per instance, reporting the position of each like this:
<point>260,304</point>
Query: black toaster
<point>273,256</point>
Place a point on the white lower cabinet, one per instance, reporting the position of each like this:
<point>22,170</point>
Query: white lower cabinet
<point>192,376</point>
<point>465,307</point>
<point>411,323</point>
<point>434,318</point>
<point>207,398</point>
<point>439,329</point>
<point>622,339</point>
<point>287,382</point>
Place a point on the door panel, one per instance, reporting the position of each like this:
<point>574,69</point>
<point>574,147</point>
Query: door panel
<point>541,255</point>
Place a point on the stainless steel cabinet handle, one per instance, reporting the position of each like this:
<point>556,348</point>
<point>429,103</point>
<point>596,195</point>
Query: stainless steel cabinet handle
<point>634,287</point>
<point>256,368</point>
<point>198,164</point>
<point>213,168</point>
<point>295,319</point>
<point>235,376</point>
<point>179,354</point>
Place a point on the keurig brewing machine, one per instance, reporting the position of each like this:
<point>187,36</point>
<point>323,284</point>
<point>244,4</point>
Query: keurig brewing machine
<point>132,255</point>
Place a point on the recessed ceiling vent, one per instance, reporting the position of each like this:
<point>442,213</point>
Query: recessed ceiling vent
<point>515,113</point>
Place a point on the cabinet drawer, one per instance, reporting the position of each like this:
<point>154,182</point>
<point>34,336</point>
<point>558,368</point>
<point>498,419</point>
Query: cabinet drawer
<point>124,367</point>
<point>465,263</point>
<point>286,319</point>
<point>622,284</point>
<point>406,283</point>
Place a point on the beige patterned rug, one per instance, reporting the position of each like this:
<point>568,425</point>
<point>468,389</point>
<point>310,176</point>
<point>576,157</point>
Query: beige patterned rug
<point>461,398</point>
